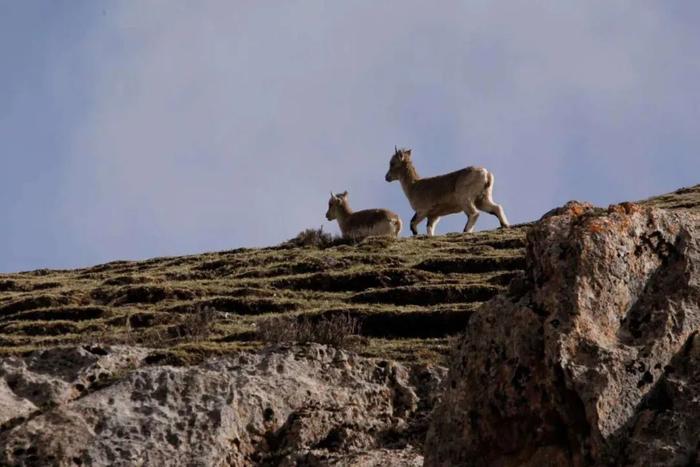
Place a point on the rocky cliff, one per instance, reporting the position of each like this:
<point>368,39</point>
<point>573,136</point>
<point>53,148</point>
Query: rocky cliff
<point>591,357</point>
<point>116,406</point>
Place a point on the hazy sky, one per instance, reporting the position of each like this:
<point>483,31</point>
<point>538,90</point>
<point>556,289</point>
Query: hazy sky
<point>132,129</point>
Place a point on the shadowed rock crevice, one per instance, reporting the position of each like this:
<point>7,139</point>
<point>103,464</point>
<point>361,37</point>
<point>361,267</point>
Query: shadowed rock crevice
<point>665,428</point>
<point>667,286</point>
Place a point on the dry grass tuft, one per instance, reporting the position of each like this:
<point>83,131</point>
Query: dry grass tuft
<point>197,326</point>
<point>312,238</point>
<point>335,331</point>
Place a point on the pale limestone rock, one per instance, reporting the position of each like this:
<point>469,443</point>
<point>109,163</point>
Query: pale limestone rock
<point>307,405</point>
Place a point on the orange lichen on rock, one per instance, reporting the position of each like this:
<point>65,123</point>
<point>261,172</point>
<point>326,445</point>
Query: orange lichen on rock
<point>578,209</point>
<point>596,226</point>
<point>621,215</point>
<point>624,208</point>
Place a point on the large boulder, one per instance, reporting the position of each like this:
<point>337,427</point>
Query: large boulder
<point>591,359</point>
<point>309,405</point>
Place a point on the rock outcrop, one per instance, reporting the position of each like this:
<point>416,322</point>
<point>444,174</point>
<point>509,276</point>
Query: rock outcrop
<point>303,405</point>
<point>591,358</point>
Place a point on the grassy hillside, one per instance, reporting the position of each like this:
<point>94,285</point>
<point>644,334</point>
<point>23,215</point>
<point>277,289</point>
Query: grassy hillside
<point>408,296</point>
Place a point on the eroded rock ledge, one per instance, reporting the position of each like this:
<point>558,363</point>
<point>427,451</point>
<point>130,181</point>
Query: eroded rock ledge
<point>283,406</point>
<point>592,358</point>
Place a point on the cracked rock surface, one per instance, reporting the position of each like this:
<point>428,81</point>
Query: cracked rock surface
<point>301,405</point>
<point>592,358</point>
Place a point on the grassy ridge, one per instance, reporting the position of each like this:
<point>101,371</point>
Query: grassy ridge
<point>408,295</point>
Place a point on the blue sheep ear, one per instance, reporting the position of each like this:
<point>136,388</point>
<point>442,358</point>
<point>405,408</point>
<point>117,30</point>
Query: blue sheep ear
<point>344,194</point>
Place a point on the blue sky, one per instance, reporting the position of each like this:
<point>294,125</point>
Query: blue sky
<point>136,129</point>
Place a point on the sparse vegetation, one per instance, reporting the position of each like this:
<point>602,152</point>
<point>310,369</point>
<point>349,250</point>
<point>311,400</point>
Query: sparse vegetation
<point>335,330</point>
<point>406,297</point>
<point>197,326</point>
<point>315,238</point>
